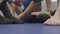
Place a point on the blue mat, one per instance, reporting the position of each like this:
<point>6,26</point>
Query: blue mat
<point>29,29</point>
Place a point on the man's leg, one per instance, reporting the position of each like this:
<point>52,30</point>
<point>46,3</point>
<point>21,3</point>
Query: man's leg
<point>15,6</point>
<point>34,6</point>
<point>48,3</point>
<point>4,20</point>
<point>34,3</point>
<point>5,10</point>
<point>9,17</point>
<point>11,7</point>
<point>55,20</point>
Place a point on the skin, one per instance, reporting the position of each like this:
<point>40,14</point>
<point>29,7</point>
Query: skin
<point>34,6</point>
<point>55,20</point>
<point>4,8</point>
<point>48,4</point>
<point>6,12</point>
<point>15,8</point>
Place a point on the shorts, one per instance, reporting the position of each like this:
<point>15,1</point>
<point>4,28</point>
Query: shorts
<point>26,4</point>
<point>10,1</point>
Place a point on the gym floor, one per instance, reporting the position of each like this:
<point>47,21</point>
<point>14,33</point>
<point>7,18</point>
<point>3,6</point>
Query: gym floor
<point>28,29</point>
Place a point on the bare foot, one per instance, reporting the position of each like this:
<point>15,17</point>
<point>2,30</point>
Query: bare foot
<point>54,21</point>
